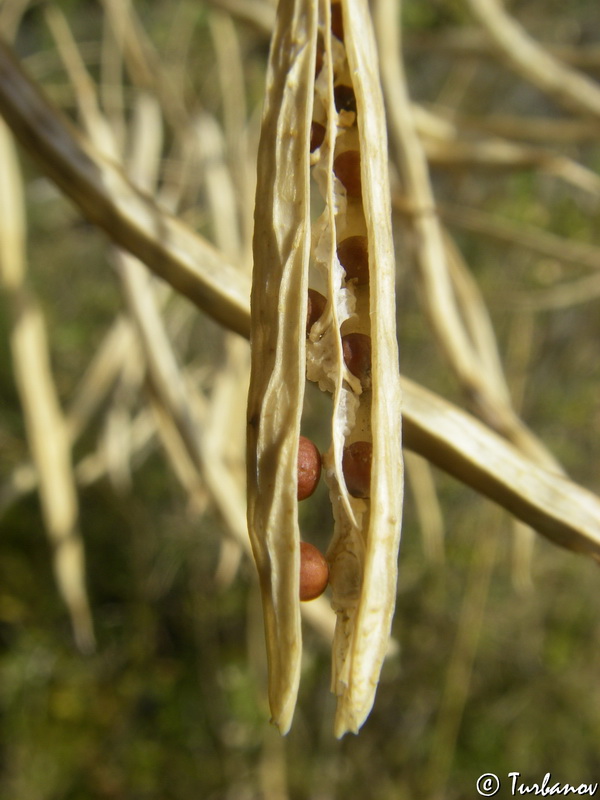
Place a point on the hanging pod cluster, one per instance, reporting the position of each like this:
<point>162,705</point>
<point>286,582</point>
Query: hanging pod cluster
<point>323,310</point>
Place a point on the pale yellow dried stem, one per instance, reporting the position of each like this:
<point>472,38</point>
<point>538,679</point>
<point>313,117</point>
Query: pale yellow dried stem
<point>427,506</point>
<point>142,440</point>
<point>522,235</point>
<point>233,94</point>
<point>467,41</point>
<point>187,417</point>
<point>519,352</point>
<point>560,509</point>
<point>94,122</point>
<point>563,295</point>
<point>225,413</point>
<point>446,145</point>
<point>218,186</point>
<point>453,302</point>
<point>144,65</point>
<point>94,387</point>
<point>431,255</point>
<point>168,386</point>
<point>47,431</point>
<point>11,13</point>
<point>434,428</point>
<point>569,88</point>
<point>260,13</point>
<point>131,218</point>
<point>99,376</point>
<point>477,323</point>
<point>545,130</point>
<point>499,411</point>
<point>505,155</point>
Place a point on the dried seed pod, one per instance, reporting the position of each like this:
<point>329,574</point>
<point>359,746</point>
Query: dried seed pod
<point>314,572</point>
<point>278,334</point>
<point>315,308</point>
<point>357,356</point>
<point>288,243</point>
<point>356,466</point>
<point>353,253</point>
<point>347,168</point>
<point>317,134</point>
<point>309,467</point>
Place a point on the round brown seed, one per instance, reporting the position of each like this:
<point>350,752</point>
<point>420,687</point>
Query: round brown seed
<point>317,134</point>
<point>356,466</point>
<point>314,572</point>
<point>353,254</point>
<point>316,306</point>
<point>337,21</point>
<point>319,56</point>
<point>309,468</point>
<point>344,98</point>
<point>347,168</point>
<point>357,356</point>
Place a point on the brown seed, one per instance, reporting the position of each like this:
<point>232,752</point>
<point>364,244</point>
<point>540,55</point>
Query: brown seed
<point>309,468</point>
<point>347,168</point>
<point>315,308</point>
<point>317,134</point>
<point>314,572</point>
<point>344,98</point>
<point>319,56</point>
<point>357,356</point>
<point>353,254</point>
<point>337,21</point>
<point>356,466</point>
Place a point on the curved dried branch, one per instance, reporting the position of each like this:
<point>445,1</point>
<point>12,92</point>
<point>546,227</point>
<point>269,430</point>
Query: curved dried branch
<point>130,218</point>
<point>47,432</point>
<point>445,144</point>
<point>533,62</point>
<point>455,307</point>
<point>462,446</point>
<point>527,236</point>
<point>434,428</point>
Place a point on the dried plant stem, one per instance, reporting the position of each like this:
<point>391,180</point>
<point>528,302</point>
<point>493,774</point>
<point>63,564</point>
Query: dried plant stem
<point>446,145</point>
<point>466,41</point>
<point>522,128</point>
<point>563,295</point>
<point>568,87</point>
<point>47,432</point>
<point>560,509</point>
<point>190,264</point>
<point>453,302</point>
<point>521,235</point>
<point>431,256</point>
<point>434,428</point>
<point>96,384</point>
<point>258,12</point>
<point>427,506</point>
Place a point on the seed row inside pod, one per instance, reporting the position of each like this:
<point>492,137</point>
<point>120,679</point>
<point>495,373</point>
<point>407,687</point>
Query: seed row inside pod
<point>323,308</point>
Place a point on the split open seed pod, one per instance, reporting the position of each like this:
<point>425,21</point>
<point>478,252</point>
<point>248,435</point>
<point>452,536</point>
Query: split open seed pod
<point>292,253</point>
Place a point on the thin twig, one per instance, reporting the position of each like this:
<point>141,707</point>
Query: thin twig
<point>45,424</point>
<point>569,88</point>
